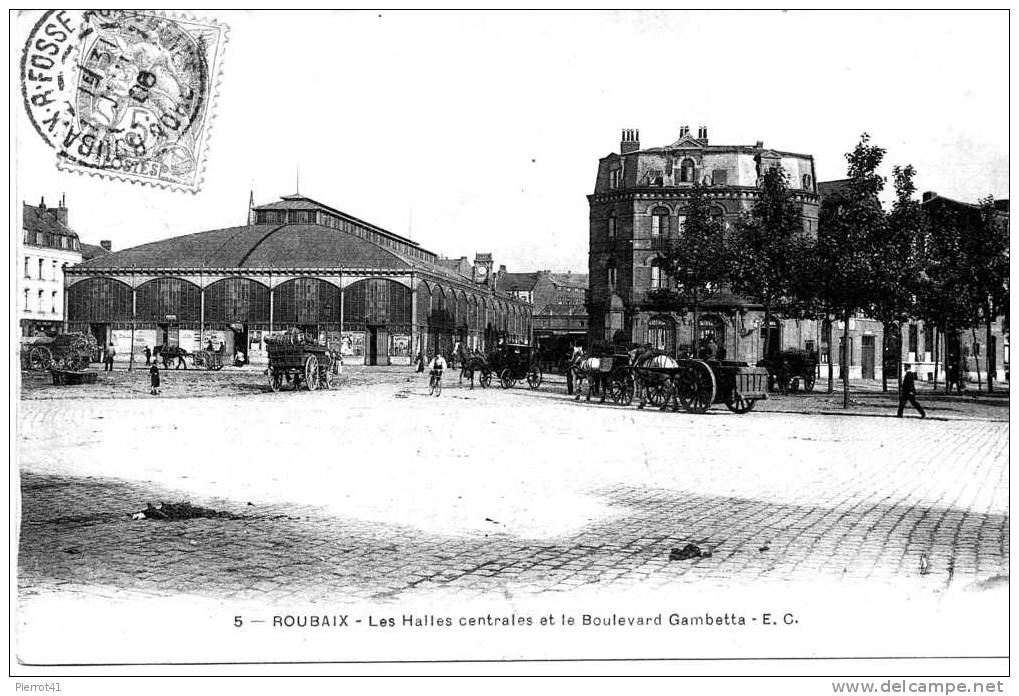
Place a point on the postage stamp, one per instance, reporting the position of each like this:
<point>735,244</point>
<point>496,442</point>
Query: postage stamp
<point>124,94</point>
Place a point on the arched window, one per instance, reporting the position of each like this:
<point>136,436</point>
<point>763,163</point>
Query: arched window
<point>54,310</point>
<point>712,327</point>
<point>40,296</point>
<point>686,171</point>
<point>658,277</point>
<point>660,222</point>
<point>661,333</point>
<point>612,226</point>
<point>612,275</point>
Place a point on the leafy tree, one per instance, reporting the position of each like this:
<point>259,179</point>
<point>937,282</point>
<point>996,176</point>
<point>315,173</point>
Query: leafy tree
<point>895,279</point>
<point>953,288</point>
<point>765,245</point>
<point>695,260</point>
<point>851,227</point>
<point>989,257</point>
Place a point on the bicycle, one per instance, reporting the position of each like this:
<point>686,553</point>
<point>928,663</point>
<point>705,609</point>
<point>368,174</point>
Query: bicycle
<point>435,383</point>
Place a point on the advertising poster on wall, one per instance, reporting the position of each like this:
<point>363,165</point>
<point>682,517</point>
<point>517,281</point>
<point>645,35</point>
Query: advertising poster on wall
<point>399,350</point>
<point>352,347</point>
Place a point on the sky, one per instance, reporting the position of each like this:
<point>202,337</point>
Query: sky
<point>481,132</point>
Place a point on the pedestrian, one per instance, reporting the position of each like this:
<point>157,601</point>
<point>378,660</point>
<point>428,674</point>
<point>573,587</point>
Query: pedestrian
<point>148,355</point>
<point>908,392</point>
<point>421,361</point>
<point>111,352</point>
<point>154,378</point>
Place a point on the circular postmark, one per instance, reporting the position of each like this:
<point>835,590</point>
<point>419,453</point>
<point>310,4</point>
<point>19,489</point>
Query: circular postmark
<point>116,89</point>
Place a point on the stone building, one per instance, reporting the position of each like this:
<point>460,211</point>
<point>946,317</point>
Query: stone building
<point>639,203</point>
<point>560,306</point>
<point>48,247</point>
<point>296,263</point>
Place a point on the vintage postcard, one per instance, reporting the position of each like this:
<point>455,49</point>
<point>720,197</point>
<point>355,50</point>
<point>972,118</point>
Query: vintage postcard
<point>669,342</point>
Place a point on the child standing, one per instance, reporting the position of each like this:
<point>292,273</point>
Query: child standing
<point>154,376</point>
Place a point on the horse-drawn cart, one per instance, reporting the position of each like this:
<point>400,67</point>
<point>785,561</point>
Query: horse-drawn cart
<point>790,369</point>
<point>70,351</point>
<point>297,360</point>
<point>209,359</point>
<point>697,384</point>
<point>512,363</point>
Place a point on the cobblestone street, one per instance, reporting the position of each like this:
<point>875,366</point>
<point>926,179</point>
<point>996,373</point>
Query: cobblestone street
<point>378,490</point>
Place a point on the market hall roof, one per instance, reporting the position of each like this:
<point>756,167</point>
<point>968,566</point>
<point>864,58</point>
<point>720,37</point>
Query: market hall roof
<point>255,246</point>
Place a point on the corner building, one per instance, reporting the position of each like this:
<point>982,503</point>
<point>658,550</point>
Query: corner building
<point>639,203</point>
<point>377,297</point>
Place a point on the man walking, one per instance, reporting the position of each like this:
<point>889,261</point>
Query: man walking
<point>111,352</point>
<point>148,356</point>
<point>908,393</point>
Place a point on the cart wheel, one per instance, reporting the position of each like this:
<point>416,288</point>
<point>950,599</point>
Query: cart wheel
<point>808,382</point>
<point>486,379</point>
<point>275,380</point>
<point>506,379</point>
<point>656,394</point>
<point>311,372</point>
<point>40,359</point>
<point>696,387</point>
<point>534,377</point>
<point>737,404</point>
<point>625,393</point>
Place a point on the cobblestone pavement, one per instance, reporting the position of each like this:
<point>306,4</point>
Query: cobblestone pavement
<point>378,491</point>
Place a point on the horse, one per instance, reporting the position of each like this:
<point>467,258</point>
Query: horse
<point>644,380</point>
<point>588,369</point>
<point>471,363</point>
<point>169,353</point>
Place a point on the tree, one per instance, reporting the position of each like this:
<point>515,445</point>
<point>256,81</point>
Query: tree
<point>851,227</point>
<point>695,260</point>
<point>895,280</point>
<point>989,258</point>
<point>952,289</point>
<point>764,247</point>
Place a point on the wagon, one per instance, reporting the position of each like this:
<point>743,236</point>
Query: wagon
<point>790,369</point>
<point>512,363</point>
<point>701,383</point>
<point>297,361</point>
<point>209,359</point>
<point>71,351</point>
<point>621,382</point>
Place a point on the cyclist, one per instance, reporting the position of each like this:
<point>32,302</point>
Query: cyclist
<point>435,368</point>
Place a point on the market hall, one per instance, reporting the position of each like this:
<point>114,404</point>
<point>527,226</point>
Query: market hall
<point>375,296</point>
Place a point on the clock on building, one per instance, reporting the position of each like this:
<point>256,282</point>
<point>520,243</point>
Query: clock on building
<point>480,272</point>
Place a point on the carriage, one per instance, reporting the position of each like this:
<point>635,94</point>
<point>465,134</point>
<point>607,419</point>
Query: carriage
<point>700,383</point>
<point>209,359</point>
<point>790,369</point>
<point>295,359</point>
<point>511,363</point>
<point>70,351</point>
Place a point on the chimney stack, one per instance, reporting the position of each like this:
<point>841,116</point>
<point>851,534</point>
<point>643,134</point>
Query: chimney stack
<point>684,131</point>
<point>61,211</point>
<point>630,141</point>
<point>702,133</point>
<point>106,244</point>
<point>928,195</point>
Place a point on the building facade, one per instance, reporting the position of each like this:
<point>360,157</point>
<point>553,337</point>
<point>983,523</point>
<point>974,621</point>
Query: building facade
<point>48,247</point>
<point>560,306</point>
<point>377,297</point>
<point>639,204</point>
